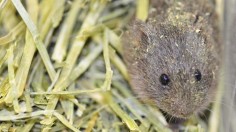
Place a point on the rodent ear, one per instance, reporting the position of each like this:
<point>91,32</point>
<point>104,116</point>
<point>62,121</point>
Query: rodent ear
<point>140,31</point>
<point>136,39</point>
<point>143,38</point>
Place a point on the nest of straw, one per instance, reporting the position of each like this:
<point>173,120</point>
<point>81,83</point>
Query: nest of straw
<point>61,68</point>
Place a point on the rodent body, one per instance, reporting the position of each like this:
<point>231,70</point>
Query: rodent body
<point>173,58</point>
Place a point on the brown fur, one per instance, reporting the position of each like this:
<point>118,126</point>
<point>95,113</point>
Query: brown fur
<point>176,41</point>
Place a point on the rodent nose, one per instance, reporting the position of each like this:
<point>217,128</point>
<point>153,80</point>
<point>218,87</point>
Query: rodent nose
<point>185,113</point>
<point>182,113</point>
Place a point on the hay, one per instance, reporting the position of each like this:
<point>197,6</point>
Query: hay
<point>61,68</point>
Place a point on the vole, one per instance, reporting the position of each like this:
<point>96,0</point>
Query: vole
<point>173,58</point>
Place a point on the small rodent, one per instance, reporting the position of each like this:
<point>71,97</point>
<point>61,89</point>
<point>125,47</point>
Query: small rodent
<point>173,58</point>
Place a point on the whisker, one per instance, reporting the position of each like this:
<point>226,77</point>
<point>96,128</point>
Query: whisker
<point>172,117</point>
<point>209,110</point>
<point>201,113</point>
<point>229,106</point>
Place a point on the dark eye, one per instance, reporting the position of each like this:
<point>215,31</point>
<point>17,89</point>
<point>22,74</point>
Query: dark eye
<point>164,79</point>
<point>197,75</point>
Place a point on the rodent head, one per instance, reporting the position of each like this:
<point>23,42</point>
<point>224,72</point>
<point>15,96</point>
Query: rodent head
<point>173,67</point>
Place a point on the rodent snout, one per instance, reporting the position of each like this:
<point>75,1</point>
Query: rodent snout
<point>185,114</point>
<point>183,111</point>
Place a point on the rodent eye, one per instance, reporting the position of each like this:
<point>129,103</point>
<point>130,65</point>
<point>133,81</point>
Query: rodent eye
<point>197,75</point>
<point>164,79</point>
